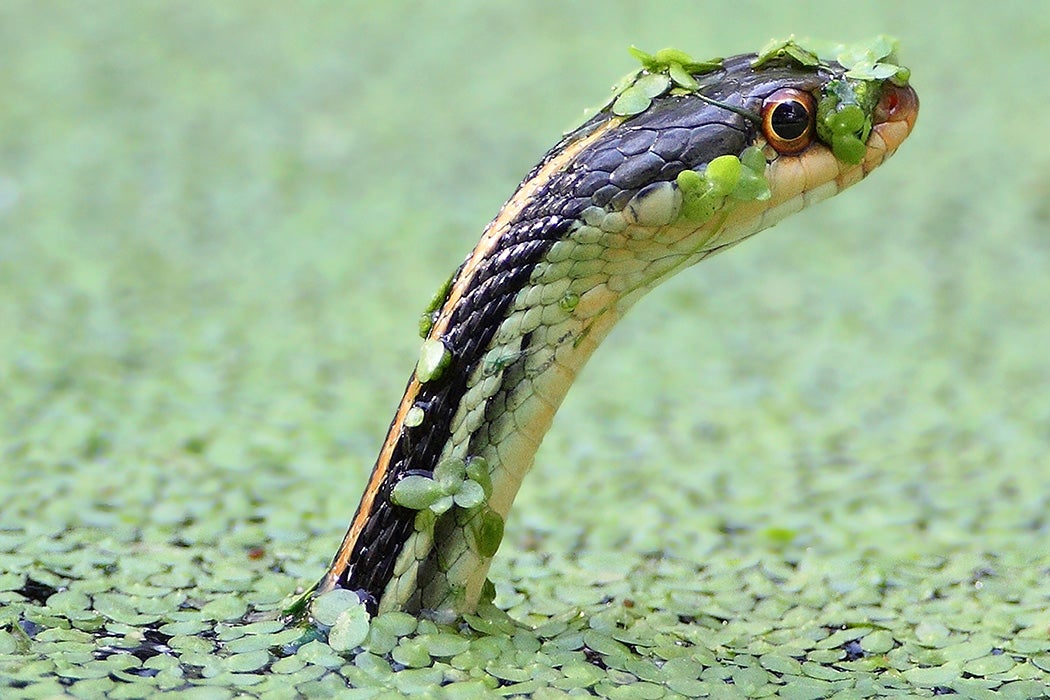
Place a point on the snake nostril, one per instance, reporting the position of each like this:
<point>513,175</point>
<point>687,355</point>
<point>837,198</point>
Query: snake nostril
<point>898,103</point>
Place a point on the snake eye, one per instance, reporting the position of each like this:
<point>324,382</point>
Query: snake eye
<point>788,116</point>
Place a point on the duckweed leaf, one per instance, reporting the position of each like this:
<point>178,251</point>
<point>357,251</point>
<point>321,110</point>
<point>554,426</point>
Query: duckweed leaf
<point>248,661</point>
<point>349,630</point>
<point>434,357</point>
<point>411,653</point>
<point>723,174</point>
<point>785,49</point>
<point>416,492</point>
<point>753,186</point>
<point>631,101</point>
<point>752,158</point>
<point>449,473</point>
<point>470,494</point>
<point>488,533</point>
<point>848,148</point>
<point>442,505</point>
<point>653,84</point>
<point>478,470</point>
<point>444,644</point>
<point>669,56</point>
<point>327,608</point>
<point>681,77</point>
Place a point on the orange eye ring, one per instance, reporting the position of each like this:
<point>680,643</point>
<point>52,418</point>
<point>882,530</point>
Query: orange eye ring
<point>788,120</point>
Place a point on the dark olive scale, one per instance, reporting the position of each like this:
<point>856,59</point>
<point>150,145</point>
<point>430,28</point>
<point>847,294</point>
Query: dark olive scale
<point>790,119</point>
<point>675,133</point>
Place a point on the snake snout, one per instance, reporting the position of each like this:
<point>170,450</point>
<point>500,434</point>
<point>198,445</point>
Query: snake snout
<point>899,103</point>
<point>894,117</point>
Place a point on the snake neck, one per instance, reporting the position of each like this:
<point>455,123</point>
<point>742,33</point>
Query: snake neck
<point>506,380</point>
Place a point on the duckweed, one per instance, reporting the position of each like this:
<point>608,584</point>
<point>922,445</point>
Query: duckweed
<point>434,357</point>
<point>192,395</point>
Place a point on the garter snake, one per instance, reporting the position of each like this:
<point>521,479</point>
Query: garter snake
<point>688,160</point>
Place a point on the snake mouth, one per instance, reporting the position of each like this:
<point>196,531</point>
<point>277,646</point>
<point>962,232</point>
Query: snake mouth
<point>894,119</point>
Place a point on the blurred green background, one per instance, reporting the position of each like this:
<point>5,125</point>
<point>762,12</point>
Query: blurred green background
<point>219,223</point>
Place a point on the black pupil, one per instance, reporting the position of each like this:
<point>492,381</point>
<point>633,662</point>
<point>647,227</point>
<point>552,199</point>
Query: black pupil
<point>789,120</point>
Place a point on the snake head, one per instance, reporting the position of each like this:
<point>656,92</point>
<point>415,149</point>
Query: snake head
<point>730,146</point>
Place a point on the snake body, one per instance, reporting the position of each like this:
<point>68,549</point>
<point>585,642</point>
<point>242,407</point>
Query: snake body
<point>604,217</point>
